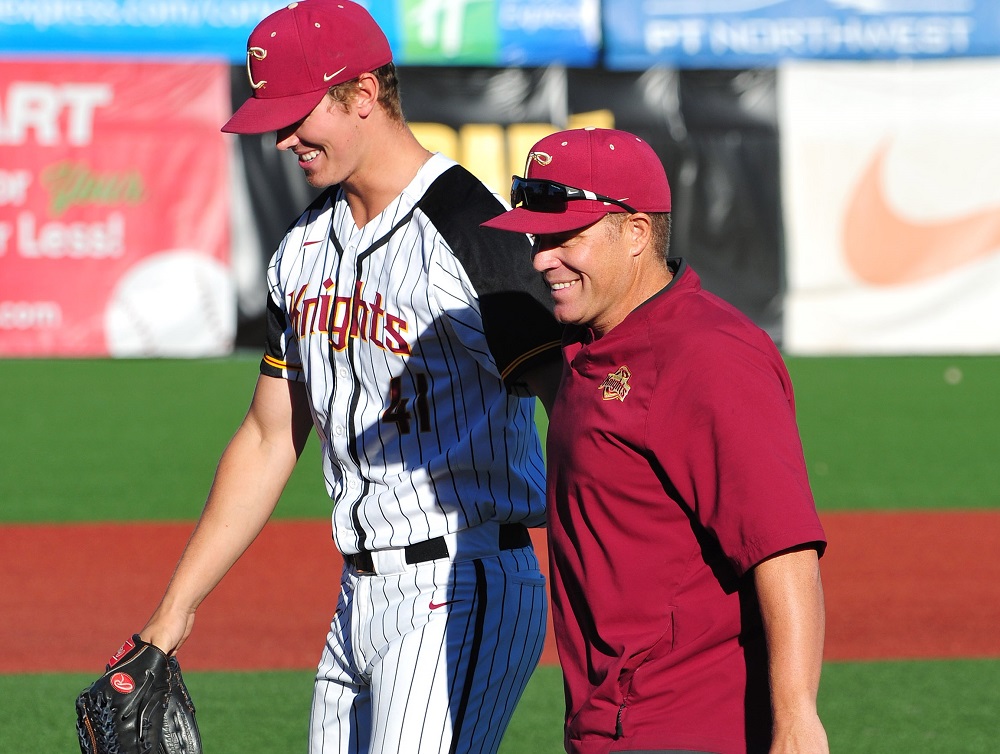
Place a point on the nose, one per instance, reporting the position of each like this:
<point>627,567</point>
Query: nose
<point>543,248</point>
<point>284,138</point>
<point>542,258</point>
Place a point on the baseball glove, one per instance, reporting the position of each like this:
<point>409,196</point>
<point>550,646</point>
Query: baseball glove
<point>139,705</point>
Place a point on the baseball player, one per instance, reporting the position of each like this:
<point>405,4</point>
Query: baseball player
<point>412,341</point>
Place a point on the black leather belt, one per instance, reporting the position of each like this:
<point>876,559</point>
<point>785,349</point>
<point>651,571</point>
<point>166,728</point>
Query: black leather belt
<point>512,537</point>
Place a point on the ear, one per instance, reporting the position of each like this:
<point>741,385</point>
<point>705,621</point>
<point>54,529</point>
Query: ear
<point>366,95</point>
<point>639,229</point>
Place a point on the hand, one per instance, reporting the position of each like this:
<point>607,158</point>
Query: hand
<point>168,631</point>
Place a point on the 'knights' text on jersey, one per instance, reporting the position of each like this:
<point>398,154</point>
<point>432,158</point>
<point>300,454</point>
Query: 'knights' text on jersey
<point>410,334</point>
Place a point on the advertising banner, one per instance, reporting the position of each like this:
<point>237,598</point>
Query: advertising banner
<point>490,32</point>
<point>114,201</point>
<point>892,207</point>
<point>755,33</point>
<point>173,28</point>
<point>420,32</point>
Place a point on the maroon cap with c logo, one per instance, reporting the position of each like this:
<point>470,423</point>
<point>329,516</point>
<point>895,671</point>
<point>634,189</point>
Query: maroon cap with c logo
<point>297,53</point>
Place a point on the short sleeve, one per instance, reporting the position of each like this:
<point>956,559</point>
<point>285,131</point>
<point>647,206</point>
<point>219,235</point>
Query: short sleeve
<point>281,351</point>
<point>729,444</point>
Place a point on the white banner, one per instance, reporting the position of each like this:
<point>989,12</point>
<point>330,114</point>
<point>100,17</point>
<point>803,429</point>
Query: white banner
<point>891,195</point>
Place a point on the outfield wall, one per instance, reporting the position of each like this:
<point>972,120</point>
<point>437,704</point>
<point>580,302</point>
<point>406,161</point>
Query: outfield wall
<point>833,162</point>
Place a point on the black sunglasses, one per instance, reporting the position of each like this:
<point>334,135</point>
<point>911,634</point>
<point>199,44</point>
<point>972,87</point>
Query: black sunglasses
<point>539,195</point>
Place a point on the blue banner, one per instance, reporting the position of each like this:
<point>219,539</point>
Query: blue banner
<point>491,32</point>
<point>540,32</point>
<point>420,32</point>
<point>760,33</point>
<point>159,28</point>
<point>636,33</point>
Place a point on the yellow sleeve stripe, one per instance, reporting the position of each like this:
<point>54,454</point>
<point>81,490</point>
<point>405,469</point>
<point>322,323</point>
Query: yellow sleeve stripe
<point>518,362</point>
<point>279,364</point>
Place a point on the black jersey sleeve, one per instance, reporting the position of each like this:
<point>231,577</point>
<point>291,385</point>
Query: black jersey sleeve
<point>515,303</point>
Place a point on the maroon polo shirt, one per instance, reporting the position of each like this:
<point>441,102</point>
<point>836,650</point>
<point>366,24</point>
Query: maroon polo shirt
<point>675,466</point>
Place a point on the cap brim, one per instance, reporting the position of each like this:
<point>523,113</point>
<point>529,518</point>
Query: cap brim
<point>258,115</point>
<point>521,220</point>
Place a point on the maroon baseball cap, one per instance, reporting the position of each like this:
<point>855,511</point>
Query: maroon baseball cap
<point>615,164</point>
<point>297,53</point>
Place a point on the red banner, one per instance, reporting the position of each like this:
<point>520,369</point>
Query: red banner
<point>114,209</point>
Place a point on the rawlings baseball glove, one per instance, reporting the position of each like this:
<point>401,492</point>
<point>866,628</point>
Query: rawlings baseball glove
<point>139,705</point>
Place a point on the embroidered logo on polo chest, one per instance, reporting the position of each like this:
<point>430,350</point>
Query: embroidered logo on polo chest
<point>615,385</point>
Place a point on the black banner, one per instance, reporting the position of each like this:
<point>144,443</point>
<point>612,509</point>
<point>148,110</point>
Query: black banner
<point>716,132</point>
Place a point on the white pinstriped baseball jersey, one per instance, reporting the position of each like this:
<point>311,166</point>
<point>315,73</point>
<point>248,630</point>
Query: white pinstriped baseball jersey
<point>409,334</point>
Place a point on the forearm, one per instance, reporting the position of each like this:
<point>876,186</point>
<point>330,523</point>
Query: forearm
<point>543,381</point>
<point>248,483</point>
<point>244,493</point>
<point>790,592</point>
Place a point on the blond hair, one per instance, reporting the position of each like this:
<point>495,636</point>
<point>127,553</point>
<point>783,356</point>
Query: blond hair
<point>388,91</point>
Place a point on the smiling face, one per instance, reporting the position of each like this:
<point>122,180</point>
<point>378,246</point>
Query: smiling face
<point>591,272</point>
<point>325,142</point>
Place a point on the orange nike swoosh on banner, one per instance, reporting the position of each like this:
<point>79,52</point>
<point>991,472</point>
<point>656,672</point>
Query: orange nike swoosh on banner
<point>883,248</point>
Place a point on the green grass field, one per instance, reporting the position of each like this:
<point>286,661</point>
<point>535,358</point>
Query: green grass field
<point>121,440</point>
<point>138,440</point>
<point>868,708</point>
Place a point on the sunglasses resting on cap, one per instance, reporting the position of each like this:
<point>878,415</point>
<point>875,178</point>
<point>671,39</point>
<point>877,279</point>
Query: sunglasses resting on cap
<point>540,195</point>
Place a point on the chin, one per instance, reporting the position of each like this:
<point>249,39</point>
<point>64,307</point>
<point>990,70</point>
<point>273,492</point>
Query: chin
<point>318,181</point>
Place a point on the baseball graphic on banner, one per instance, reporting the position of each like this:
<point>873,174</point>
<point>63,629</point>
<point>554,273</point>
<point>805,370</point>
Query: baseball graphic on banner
<point>177,303</point>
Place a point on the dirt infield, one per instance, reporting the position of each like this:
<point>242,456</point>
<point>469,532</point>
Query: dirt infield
<point>898,586</point>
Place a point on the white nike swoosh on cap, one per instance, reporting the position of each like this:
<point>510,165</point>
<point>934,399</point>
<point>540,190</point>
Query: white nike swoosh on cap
<point>328,76</point>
